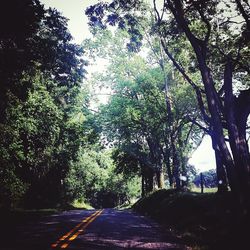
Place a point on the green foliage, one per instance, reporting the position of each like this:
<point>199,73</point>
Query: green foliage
<point>30,136</point>
<point>48,135</point>
<point>50,149</point>
<point>12,189</point>
<point>93,178</point>
<point>80,204</point>
<point>209,179</point>
<point>40,75</point>
<point>208,43</point>
<point>36,38</point>
<point>136,119</point>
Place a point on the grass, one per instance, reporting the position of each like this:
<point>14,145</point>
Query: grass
<point>36,211</point>
<point>127,205</point>
<point>79,204</point>
<point>206,190</point>
<point>203,221</point>
<point>12,218</point>
<point>23,214</point>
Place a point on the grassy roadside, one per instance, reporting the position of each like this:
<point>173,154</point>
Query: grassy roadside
<point>20,215</point>
<point>205,190</point>
<point>11,218</point>
<point>203,221</point>
<point>79,204</point>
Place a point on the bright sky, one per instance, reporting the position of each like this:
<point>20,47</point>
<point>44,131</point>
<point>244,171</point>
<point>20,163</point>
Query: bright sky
<point>74,11</point>
<point>203,158</point>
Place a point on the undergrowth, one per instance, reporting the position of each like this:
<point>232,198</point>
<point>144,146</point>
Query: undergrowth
<point>204,221</point>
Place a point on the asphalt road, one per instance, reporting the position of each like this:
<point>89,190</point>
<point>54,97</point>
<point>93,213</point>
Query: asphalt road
<point>107,229</point>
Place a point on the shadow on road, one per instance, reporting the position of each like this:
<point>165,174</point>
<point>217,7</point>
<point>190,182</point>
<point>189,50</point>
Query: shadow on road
<point>112,230</point>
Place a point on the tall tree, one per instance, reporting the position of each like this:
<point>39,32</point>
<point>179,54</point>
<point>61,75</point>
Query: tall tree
<point>40,79</point>
<point>136,116</point>
<point>219,46</point>
<point>35,38</point>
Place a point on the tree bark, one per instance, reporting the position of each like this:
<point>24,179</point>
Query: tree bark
<point>220,168</point>
<point>167,154</point>
<point>176,165</point>
<point>142,183</point>
<point>202,183</point>
<point>214,106</point>
<point>160,179</point>
<point>156,159</point>
<point>221,173</point>
<point>236,132</point>
<point>148,180</point>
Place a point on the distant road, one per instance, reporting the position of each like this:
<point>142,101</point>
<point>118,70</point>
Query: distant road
<point>107,229</point>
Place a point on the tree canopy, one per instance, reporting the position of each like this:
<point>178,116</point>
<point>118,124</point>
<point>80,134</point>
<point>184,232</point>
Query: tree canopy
<point>209,47</point>
<point>176,70</point>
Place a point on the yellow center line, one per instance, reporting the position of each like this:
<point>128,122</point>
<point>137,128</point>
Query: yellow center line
<point>74,229</point>
<point>75,235</point>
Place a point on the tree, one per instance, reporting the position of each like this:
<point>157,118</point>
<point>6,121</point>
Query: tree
<point>209,179</point>
<point>205,25</point>
<point>200,43</point>
<point>41,73</point>
<point>94,179</point>
<point>36,38</point>
<point>136,118</point>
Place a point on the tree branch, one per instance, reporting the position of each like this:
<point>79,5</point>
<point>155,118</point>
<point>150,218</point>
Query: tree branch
<point>243,13</point>
<point>189,80</point>
<point>198,125</point>
<point>207,24</point>
<point>158,19</point>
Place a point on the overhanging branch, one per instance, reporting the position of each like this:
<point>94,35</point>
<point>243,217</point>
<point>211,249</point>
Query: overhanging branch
<point>189,80</point>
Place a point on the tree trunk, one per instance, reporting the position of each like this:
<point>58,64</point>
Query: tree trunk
<point>160,179</point>
<point>169,120</point>
<point>176,165</point>
<point>142,184</point>
<point>217,127</point>
<point>150,183</point>
<point>156,159</point>
<point>221,173</point>
<point>243,110</point>
<point>213,102</point>
<point>236,132</point>
<point>168,167</point>
<point>202,183</point>
<point>220,169</point>
<point>149,180</point>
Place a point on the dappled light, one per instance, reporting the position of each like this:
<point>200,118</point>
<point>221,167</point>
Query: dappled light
<point>127,232</point>
<point>107,108</point>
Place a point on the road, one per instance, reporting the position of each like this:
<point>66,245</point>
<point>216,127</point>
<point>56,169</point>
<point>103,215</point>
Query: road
<point>107,229</point>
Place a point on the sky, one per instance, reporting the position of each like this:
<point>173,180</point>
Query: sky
<point>74,11</point>
<point>203,158</point>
